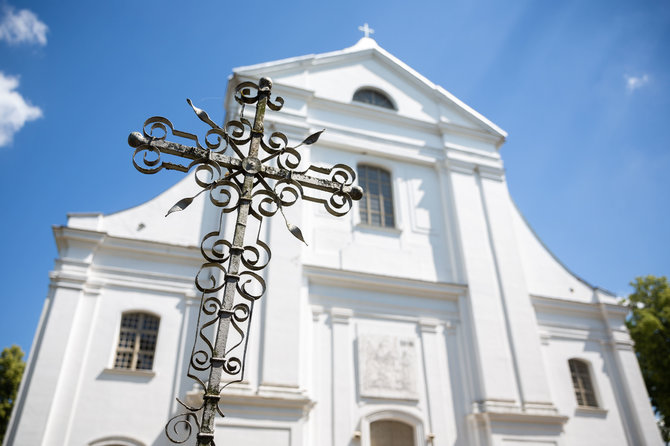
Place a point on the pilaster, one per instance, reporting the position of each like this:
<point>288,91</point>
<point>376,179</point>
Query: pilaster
<point>281,319</point>
<point>485,321</point>
<point>342,377</point>
<point>520,316</point>
<point>638,411</point>
<point>440,407</point>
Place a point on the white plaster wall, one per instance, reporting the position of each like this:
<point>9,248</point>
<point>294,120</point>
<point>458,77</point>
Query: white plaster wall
<point>416,248</point>
<point>132,405</point>
<point>545,275</point>
<point>586,427</point>
<point>341,316</point>
<point>147,221</point>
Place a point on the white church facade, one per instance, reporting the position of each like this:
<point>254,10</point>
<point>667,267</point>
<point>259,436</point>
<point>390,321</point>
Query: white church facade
<point>431,314</point>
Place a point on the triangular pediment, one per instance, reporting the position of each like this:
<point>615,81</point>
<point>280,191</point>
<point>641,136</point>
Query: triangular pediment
<point>337,75</point>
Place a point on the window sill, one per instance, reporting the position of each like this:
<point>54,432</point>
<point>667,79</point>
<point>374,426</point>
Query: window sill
<point>372,228</point>
<point>130,372</point>
<point>588,410</point>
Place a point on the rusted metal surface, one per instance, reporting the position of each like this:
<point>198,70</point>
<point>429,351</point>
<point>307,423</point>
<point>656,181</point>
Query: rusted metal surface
<point>243,181</point>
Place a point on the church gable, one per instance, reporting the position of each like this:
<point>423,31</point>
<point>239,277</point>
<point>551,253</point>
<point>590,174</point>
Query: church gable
<point>337,76</point>
<point>339,82</point>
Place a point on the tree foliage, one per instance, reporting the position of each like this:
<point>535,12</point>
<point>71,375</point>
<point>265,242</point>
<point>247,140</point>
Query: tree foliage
<point>649,326</point>
<point>11,370</point>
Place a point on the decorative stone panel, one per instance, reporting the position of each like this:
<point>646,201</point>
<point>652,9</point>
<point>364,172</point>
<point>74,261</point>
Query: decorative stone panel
<point>387,366</point>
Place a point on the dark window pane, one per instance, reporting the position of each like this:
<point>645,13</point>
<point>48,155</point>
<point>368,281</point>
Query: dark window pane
<point>373,97</point>
<point>150,323</point>
<point>363,210</point>
<point>130,320</point>
<point>126,339</point>
<point>375,219</point>
<point>123,360</point>
<point>145,361</point>
<point>374,203</point>
<point>148,342</point>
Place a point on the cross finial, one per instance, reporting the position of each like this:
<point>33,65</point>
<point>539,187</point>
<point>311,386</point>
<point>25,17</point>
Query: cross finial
<point>366,30</point>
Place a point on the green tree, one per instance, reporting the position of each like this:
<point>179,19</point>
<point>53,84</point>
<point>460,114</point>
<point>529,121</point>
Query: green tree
<point>11,370</point>
<point>649,326</point>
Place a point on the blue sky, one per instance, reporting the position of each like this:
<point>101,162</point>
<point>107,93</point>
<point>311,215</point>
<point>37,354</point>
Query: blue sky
<point>582,88</point>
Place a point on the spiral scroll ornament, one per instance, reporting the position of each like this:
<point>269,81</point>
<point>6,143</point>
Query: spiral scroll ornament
<point>240,169</point>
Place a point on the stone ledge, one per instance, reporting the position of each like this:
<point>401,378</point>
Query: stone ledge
<point>509,412</point>
<point>130,372</point>
<point>594,411</point>
<point>249,398</point>
<point>521,417</point>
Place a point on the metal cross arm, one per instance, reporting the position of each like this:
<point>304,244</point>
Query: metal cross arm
<point>137,139</point>
<point>234,167</point>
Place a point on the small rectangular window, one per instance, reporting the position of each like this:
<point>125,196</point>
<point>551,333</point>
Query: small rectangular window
<point>376,206</point>
<point>582,383</point>
<point>137,341</point>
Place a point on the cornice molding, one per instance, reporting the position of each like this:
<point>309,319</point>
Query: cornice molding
<point>553,304</point>
<point>387,284</point>
<point>573,333</point>
<point>105,241</point>
<point>460,166</point>
<point>491,173</point>
<point>448,127</point>
<point>341,315</point>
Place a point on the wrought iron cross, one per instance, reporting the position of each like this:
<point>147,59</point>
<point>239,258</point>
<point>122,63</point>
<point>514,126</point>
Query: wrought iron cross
<point>255,188</point>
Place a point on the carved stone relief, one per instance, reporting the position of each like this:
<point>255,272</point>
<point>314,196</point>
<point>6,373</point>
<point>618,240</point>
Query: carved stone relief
<point>387,366</point>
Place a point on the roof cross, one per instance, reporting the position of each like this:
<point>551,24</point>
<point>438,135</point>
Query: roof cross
<point>244,182</point>
<point>366,30</point>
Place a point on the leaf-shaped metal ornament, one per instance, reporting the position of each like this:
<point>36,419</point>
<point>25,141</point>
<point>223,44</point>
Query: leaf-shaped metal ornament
<point>297,233</point>
<point>293,229</point>
<point>202,114</point>
<point>185,202</point>
<point>311,139</point>
<point>180,205</point>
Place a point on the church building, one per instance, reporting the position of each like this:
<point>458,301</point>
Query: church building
<point>429,315</point>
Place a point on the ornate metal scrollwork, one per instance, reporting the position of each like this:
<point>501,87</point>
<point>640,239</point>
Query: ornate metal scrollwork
<point>234,166</point>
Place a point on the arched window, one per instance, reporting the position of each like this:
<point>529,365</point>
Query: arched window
<point>137,341</point>
<point>373,97</point>
<point>391,433</point>
<point>376,207</point>
<point>582,383</point>
<point>115,440</point>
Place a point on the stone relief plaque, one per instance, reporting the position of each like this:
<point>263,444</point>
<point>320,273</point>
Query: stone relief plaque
<point>387,366</point>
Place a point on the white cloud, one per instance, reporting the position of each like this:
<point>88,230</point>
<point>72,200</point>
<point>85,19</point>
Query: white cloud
<point>635,82</point>
<point>14,110</point>
<point>22,27</point>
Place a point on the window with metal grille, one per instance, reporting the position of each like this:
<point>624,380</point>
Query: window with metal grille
<point>373,97</point>
<point>376,206</point>
<point>137,341</point>
<point>391,433</point>
<point>581,381</point>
